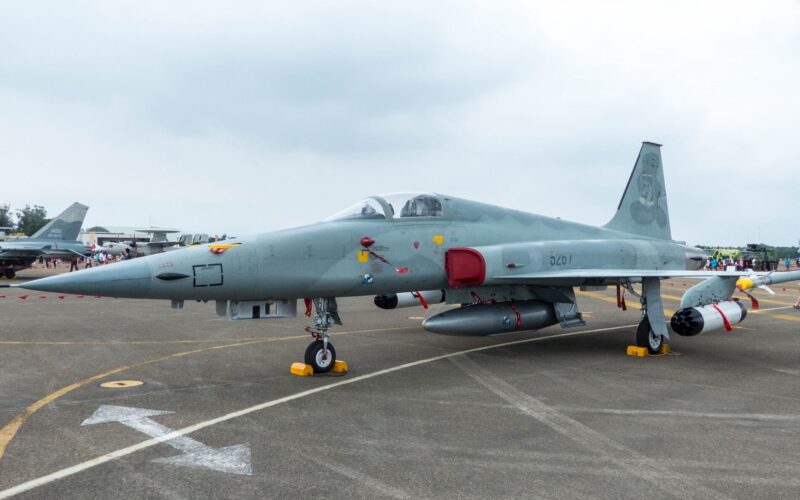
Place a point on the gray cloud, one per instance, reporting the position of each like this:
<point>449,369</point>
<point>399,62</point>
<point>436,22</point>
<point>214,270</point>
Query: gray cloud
<point>253,116</point>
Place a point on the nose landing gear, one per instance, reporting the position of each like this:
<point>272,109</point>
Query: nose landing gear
<point>320,354</point>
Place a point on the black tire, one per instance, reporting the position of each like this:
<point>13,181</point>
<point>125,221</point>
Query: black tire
<point>9,273</point>
<point>314,355</point>
<point>646,337</point>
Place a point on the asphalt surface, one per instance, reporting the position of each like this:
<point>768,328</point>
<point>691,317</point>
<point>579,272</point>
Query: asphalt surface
<point>563,415</point>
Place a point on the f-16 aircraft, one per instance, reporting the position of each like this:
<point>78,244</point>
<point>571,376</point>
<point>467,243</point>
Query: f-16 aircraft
<point>58,238</point>
<point>508,270</point>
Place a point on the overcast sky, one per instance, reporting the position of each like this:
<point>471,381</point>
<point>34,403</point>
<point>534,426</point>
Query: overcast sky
<point>244,117</point>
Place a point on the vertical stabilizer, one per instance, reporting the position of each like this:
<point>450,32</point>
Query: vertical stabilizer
<point>66,226</point>
<point>643,207</point>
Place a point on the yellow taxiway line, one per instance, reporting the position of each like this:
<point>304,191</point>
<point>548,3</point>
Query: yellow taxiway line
<point>94,462</point>
<point>10,430</point>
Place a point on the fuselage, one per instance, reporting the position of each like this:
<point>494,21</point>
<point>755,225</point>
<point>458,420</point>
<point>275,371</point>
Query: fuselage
<point>329,259</point>
<point>22,254</point>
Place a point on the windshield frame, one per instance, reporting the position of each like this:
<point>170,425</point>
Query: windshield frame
<point>390,213</point>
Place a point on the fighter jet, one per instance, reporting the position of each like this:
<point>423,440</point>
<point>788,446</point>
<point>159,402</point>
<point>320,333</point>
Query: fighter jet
<point>508,270</point>
<point>59,238</point>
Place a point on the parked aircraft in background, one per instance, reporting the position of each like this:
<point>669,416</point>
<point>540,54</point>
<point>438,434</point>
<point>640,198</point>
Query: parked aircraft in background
<point>5,231</point>
<point>58,238</point>
<point>508,270</point>
<point>115,248</point>
<point>159,243</point>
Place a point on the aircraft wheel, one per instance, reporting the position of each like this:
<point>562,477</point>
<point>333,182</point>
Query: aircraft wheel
<point>315,356</point>
<point>646,337</point>
<point>9,273</point>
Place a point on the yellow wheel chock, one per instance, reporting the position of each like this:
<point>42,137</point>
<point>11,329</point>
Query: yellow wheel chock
<point>304,370</point>
<point>641,352</point>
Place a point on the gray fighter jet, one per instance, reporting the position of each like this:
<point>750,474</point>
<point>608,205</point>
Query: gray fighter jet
<point>58,238</point>
<point>508,270</point>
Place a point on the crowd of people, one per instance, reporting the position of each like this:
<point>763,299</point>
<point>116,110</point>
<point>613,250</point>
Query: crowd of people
<point>741,264</point>
<point>98,258</point>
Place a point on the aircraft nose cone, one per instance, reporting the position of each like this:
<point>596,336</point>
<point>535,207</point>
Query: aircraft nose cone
<point>124,279</point>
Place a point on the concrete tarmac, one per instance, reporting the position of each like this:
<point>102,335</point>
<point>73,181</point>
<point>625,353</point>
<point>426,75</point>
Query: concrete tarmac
<point>548,414</point>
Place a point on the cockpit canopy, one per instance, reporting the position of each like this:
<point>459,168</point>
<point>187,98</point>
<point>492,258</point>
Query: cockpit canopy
<point>392,206</point>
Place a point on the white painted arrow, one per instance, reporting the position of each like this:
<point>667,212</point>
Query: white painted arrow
<point>231,459</point>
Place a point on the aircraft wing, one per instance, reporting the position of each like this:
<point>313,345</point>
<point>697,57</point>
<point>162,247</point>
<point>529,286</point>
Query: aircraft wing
<point>79,254</point>
<point>620,273</point>
<point>580,276</point>
<point>25,250</point>
<point>161,243</point>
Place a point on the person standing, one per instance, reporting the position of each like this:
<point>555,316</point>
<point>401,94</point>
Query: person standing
<point>73,264</point>
<point>788,263</point>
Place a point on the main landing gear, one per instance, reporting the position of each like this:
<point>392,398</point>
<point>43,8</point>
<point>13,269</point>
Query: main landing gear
<point>320,354</point>
<point>646,337</point>
<point>652,330</point>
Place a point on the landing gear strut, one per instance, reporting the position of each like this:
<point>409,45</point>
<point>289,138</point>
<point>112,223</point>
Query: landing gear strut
<point>320,354</point>
<point>652,328</point>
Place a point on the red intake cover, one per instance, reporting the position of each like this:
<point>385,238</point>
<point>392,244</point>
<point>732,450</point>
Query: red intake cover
<point>464,267</point>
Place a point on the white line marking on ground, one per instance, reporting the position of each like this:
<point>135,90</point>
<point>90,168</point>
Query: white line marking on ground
<point>230,459</point>
<point>69,471</point>
<point>767,417</point>
<point>776,308</point>
<point>627,459</point>
<point>366,480</point>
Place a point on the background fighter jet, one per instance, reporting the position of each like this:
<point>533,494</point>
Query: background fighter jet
<point>508,270</point>
<point>59,238</point>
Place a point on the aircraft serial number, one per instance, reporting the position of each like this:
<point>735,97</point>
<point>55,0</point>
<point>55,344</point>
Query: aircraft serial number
<point>560,259</point>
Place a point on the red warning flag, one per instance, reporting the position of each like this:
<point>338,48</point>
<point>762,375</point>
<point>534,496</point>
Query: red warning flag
<point>421,299</point>
<point>725,321</point>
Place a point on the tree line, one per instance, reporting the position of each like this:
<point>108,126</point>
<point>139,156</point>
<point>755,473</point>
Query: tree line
<point>26,220</point>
